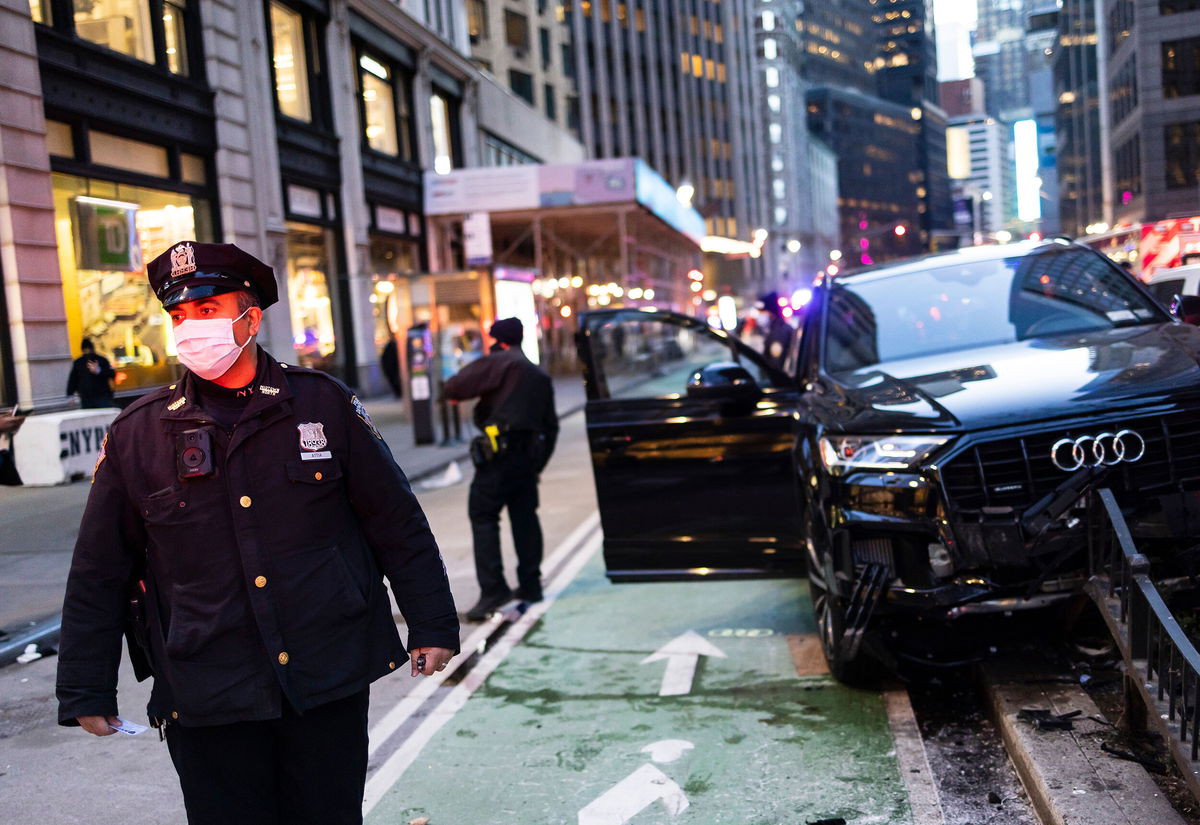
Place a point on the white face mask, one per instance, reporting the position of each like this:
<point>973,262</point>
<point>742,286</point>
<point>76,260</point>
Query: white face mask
<point>207,346</point>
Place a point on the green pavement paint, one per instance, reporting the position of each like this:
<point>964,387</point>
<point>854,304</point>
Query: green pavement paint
<point>565,718</point>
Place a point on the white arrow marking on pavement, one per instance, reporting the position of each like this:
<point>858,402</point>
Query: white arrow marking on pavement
<point>628,797</point>
<point>682,653</point>
<point>668,750</point>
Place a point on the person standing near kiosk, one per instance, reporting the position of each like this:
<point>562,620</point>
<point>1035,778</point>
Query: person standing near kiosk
<point>519,427</point>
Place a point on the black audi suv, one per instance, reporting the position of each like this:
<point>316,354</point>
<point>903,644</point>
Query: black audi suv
<point>923,452</point>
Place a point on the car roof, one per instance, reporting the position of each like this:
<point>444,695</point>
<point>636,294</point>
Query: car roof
<point>966,254</point>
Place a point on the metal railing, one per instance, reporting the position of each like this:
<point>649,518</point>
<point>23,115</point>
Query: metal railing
<point>1161,663</point>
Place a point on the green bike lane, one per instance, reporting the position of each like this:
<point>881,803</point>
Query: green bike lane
<point>571,726</point>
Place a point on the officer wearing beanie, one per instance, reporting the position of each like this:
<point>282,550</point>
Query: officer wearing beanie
<point>240,524</point>
<point>519,427</point>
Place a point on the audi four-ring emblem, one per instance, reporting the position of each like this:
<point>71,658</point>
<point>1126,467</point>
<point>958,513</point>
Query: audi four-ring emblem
<point>1103,450</point>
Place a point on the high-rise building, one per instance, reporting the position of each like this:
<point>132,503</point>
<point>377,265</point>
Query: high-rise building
<point>799,204</point>
<point>1001,57</point>
<point>526,45</point>
<point>673,85</point>
<point>981,169</point>
<point>1077,120</point>
<point>1041,33</point>
<point>906,74</point>
<point>875,143</point>
<point>961,97</point>
<point>837,46</point>
<point>1151,68</point>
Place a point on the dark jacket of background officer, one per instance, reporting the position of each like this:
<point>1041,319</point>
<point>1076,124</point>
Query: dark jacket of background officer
<point>91,377</point>
<point>516,398</point>
<point>255,513</point>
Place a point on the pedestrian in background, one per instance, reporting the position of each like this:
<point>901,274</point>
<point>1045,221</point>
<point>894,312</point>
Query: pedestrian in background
<point>519,427</point>
<point>91,376</point>
<point>779,334</point>
<point>254,509</point>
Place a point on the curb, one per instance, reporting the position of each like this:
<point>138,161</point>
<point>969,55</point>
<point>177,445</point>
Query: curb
<point>1068,777</point>
<point>43,633</point>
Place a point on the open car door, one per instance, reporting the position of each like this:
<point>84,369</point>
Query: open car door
<point>692,438</point>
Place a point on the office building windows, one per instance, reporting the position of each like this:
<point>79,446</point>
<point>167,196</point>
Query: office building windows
<point>516,30</point>
<point>1180,64</point>
<point>1129,170</point>
<point>442,114</point>
<point>521,84</point>
<point>290,60</point>
<point>379,105</point>
<point>1181,145</point>
<point>120,25</point>
<point>152,31</point>
<point>477,21</point>
<point>1124,91</point>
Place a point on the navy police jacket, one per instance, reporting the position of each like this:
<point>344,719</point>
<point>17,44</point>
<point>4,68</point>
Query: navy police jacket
<point>262,579</point>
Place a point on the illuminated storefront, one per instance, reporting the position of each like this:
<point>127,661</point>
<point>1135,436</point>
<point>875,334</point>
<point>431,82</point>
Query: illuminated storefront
<point>314,332</point>
<point>106,233</point>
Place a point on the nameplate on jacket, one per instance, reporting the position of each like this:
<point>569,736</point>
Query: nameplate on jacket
<point>317,455</point>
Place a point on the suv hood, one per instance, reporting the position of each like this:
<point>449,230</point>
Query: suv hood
<point>1028,380</point>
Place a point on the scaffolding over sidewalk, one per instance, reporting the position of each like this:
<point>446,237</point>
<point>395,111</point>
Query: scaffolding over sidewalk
<point>598,233</point>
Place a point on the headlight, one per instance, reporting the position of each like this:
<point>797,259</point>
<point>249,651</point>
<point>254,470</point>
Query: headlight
<point>878,452</point>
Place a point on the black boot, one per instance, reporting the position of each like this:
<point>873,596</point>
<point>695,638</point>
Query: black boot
<point>487,605</point>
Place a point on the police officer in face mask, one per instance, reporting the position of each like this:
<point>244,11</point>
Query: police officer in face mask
<point>519,427</point>
<point>240,524</point>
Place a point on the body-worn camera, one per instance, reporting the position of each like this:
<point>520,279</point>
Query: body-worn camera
<point>193,453</point>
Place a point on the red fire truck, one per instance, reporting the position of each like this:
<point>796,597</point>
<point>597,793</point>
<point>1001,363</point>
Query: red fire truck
<point>1151,246</point>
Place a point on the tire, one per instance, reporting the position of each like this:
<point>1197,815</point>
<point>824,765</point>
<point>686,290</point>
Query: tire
<point>829,613</point>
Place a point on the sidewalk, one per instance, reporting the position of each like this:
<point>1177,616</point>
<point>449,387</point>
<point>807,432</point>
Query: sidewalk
<point>38,525</point>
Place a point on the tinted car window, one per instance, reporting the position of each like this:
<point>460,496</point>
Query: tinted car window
<point>881,316</point>
<point>641,357</point>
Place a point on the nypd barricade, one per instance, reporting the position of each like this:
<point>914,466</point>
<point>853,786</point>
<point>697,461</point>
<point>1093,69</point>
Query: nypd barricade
<point>56,447</point>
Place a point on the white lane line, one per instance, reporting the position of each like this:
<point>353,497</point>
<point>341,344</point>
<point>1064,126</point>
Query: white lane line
<point>406,707</point>
<point>923,801</point>
<point>391,770</point>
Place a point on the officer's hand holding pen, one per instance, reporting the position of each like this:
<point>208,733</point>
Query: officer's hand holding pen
<point>429,660</point>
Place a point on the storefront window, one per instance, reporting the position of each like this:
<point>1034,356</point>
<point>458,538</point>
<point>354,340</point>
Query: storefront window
<point>391,262</point>
<point>121,25</point>
<point>379,105</point>
<point>174,33</point>
<point>106,233</point>
<point>291,62</point>
<point>308,285</point>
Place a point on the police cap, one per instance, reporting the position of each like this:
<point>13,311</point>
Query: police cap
<point>190,270</point>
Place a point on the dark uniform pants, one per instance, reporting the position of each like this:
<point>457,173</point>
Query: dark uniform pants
<point>510,481</point>
<point>295,770</point>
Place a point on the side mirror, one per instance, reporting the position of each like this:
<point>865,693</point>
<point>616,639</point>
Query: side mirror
<point>723,380</point>
<point>1186,308</point>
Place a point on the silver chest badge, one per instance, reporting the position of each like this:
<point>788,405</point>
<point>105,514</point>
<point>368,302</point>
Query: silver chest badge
<point>312,436</point>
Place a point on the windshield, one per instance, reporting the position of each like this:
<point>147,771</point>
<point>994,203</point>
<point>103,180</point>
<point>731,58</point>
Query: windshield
<point>1052,291</point>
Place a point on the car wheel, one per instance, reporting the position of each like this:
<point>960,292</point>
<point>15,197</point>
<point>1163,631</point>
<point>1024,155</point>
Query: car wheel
<point>829,612</point>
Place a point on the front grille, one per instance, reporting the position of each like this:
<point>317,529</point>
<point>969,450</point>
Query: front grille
<point>1016,472</point>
